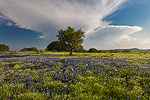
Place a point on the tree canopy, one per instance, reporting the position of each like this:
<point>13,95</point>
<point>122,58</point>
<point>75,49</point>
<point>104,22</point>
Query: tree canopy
<point>29,49</point>
<point>70,38</point>
<point>93,50</point>
<point>55,46</point>
<point>4,47</point>
<point>58,47</point>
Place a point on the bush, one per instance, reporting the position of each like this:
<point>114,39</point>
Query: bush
<point>93,50</point>
<point>55,46</point>
<point>4,47</point>
<point>29,49</point>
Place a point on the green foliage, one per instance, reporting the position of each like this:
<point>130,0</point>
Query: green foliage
<point>30,96</point>
<point>80,49</point>
<point>58,47</point>
<point>16,67</point>
<point>55,46</point>
<point>93,50</point>
<point>4,47</point>
<point>29,49</point>
<point>70,38</point>
<point>99,76</point>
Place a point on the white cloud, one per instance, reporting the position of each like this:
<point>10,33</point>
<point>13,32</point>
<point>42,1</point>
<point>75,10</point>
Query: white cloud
<point>112,37</point>
<point>34,14</point>
<point>47,16</point>
<point>41,37</point>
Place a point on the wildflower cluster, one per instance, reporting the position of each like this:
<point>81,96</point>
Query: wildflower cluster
<point>90,78</point>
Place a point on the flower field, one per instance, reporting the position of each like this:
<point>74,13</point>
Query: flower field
<point>79,77</point>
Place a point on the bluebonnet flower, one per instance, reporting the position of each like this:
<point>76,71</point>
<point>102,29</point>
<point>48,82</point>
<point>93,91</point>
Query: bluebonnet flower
<point>128,98</point>
<point>138,98</point>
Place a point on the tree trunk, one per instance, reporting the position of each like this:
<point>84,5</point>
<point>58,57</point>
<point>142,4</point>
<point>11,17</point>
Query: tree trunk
<point>71,52</point>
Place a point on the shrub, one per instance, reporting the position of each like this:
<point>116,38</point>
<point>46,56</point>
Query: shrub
<point>29,49</point>
<point>4,47</point>
<point>93,50</point>
<point>55,46</point>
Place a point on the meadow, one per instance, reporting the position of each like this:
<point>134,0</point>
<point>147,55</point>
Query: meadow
<point>83,76</point>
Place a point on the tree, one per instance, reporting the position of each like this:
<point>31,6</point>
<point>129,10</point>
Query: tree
<point>70,38</point>
<point>93,50</point>
<point>81,49</point>
<point>55,46</point>
<point>4,47</point>
<point>29,49</point>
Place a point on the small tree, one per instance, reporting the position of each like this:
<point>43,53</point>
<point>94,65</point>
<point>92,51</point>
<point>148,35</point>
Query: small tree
<point>4,47</point>
<point>70,38</point>
<point>93,50</point>
<point>55,46</point>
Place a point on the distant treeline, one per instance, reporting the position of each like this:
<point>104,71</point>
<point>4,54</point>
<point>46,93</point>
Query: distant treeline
<point>55,46</point>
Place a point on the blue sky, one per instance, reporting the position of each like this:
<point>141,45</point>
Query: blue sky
<point>18,38</point>
<point>137,12</point>
<point>122,23</point>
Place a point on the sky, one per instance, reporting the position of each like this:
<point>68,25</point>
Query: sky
<point>108,24</point>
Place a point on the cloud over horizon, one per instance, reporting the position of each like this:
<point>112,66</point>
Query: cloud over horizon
<point>47,16</point>
<point>115,37</point>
